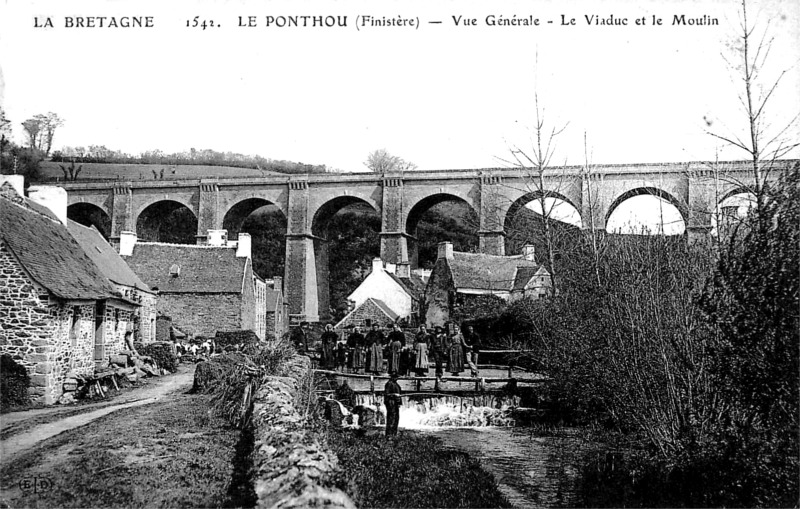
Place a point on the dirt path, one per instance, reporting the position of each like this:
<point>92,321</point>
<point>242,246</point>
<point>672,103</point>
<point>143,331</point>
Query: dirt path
<point>20,442</point>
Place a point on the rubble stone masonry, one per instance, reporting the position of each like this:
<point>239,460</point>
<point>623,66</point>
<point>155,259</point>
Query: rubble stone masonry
<point>202,314</point>
<point>39,332</point>
<point>291,468</point>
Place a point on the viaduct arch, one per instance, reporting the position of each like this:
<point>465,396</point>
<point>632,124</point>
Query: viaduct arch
<point>306,200</point>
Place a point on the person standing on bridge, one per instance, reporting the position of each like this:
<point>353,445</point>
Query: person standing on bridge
<point>421,351</point>
<point>374,342</point>
<point>396,338</point>
<point>328,348</point>
<point>355,342</point>
<point>472,342</point>
<point>396,341</point>
<point>392,399</point>
<point>455,352</point>
<point>439,350</point>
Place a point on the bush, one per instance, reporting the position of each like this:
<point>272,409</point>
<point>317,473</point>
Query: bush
<point>239,375</point>
<point>163,353</point>
<point>14,383</point>
<point>227,339</point>
<point>410,471</point>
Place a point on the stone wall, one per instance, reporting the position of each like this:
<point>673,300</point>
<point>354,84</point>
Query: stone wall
<point>147,317</point>
<point>117,322</point>
<point>248,311</point>
<point>39,332</point>
<point>292,469</point>
<point>163,328</point>
<point>260,288</point>
<point>202,314</point>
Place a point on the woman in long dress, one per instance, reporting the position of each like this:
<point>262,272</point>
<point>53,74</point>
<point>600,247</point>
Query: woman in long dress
<point>355,342</point>
<point>395,351</point>
<point>421,351</point>
<point>374,342</point>
<point>455,357</point>
<point>328,353</point>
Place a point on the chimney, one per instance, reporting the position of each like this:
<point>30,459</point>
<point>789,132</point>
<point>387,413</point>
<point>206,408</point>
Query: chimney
<point>529,252</point>
<point>244,247</point>
<point>16,181</point>
<point>391,268</point>
<point>377,265</point>
<point>277,283</point>
<point>403,270</point>
<point>52,197</point>
<point>217,238</point>
<point>127,240</point>
<point>445,250</point>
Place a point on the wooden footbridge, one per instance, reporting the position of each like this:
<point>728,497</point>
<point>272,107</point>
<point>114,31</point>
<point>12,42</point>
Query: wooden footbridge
<point>491,380</point>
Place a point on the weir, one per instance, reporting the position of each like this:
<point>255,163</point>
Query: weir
<point>451,401</point>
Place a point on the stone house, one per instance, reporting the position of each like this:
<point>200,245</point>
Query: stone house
<point>121,277</point>
<point>395,286</point>
<point>367,313</point>
<point>202,288</point>
<point>58,311</point>
<point>459,278</point>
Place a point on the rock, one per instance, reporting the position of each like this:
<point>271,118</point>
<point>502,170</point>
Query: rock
<point>118,360</point>
<point>366,415</point>
<point>68,398</point>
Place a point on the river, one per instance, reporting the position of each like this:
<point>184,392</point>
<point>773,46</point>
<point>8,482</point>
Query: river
<point>532,470</point>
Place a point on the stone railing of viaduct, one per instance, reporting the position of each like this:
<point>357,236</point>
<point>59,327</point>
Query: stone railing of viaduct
<point>309,201</point>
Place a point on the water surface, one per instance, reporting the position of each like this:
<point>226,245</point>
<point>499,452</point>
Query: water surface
<point>531,470</point>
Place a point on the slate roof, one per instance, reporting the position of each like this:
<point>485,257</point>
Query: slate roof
<point>487,272</point>
<point>105,256</point>
<point>375,303</point>
<point>414,286</point>
<point>48,252</point>
<point>203,269</point>
<point>8,191</point>
<point>383,307</point>
<point>524,274</point>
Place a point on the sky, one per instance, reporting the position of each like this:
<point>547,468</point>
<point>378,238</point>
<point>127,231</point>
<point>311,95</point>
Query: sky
<point>442,96</point>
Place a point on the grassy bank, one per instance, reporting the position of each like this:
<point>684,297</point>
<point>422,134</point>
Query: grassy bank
<point>409,471</point>
<point>168,454</point>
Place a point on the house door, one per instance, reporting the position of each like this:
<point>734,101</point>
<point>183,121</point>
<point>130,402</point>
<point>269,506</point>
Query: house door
<point>99,331</point>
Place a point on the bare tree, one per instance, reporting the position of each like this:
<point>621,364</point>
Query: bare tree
<point>762,144</point>
<point>381,161</point>
<point>534,163</point>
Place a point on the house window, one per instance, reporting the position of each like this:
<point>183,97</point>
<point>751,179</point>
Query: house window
<point>75,326</point>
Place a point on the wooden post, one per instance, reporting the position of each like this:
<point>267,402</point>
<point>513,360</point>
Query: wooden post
<point>372,387</point>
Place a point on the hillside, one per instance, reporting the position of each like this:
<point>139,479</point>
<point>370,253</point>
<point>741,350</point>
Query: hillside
<point>50,171</point>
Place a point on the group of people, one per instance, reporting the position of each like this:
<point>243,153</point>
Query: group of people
<point>377,352</point>
<point>194,348</point>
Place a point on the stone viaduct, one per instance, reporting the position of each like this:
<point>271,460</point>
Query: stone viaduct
<point>309,201</point>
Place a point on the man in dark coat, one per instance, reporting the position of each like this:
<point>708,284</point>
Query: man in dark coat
<point>437,346</point>
<point>392,400</point>
<point>473,341</point>
<point>300,337</point>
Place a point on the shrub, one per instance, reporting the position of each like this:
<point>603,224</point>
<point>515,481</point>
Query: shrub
<point>226,339</point>
<point>163,353</point>
<point>14,383</point>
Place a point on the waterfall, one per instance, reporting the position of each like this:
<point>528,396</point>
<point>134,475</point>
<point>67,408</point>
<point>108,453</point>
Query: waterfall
<point>420,412</point>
